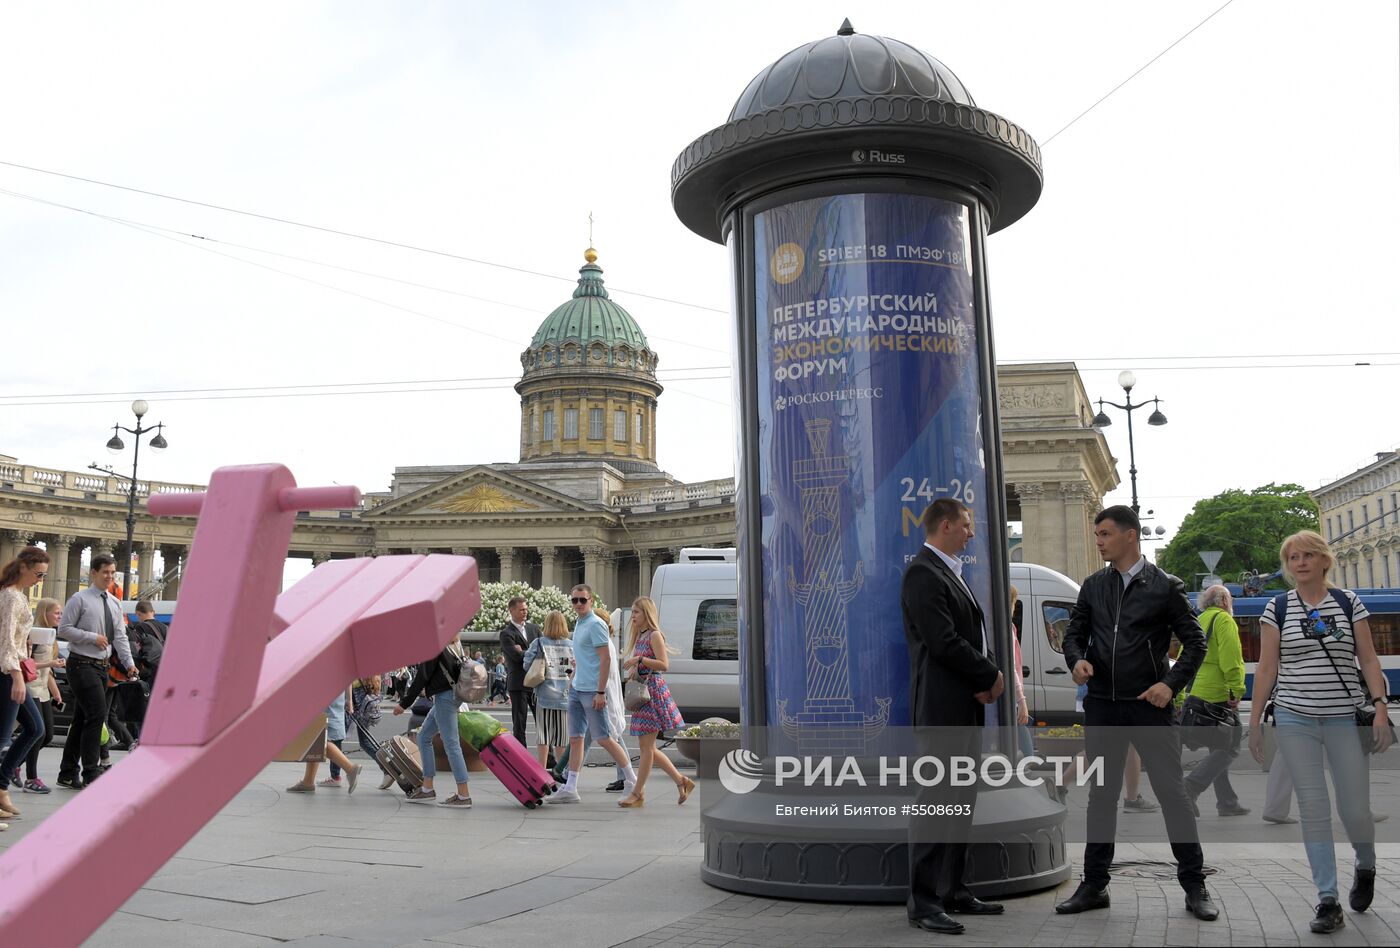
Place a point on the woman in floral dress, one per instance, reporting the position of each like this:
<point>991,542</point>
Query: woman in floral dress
<point>647,658</point>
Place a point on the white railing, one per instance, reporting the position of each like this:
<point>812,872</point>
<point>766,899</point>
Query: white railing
<point>718,490</point>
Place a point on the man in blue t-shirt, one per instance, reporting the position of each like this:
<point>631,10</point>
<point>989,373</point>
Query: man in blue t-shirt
<point>593,669</point>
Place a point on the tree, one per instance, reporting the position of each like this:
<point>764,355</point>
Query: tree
<point>496,596</point>
<point>1246,526</point>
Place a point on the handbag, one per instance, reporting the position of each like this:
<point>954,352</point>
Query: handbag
<point>534,675</point>
<point>636,694</point>
<point>1203,723</point>
<point>1365,717</point>
<point>28,669</point>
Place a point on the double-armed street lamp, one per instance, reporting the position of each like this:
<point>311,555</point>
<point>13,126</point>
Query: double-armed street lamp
<point>1127,380</point>
<point>117,446</point>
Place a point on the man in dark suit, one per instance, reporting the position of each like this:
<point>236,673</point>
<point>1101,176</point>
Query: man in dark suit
<point>516,636</point>
<point>951,679</point>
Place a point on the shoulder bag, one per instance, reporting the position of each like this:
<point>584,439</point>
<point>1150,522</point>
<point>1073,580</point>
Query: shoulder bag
<point>535,674</point>
<point>1203,723</point>
<point>1365,716</point>
<point>636,693</point>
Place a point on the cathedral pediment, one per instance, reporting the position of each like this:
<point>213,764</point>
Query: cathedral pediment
<point>476,492</point>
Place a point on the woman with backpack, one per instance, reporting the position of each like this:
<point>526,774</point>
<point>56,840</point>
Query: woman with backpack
<point>1311,641</point>
<point>436,678</point>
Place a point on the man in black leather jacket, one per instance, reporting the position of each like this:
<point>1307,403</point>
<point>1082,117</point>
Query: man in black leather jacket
<point>1117,642</point>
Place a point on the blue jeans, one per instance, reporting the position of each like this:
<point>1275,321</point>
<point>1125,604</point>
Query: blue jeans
<point>1302,739</point>
<point>31,729</point>
<point>442,719</point>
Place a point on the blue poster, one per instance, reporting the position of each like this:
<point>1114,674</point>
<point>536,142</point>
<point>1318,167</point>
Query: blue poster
<point>869,410</point>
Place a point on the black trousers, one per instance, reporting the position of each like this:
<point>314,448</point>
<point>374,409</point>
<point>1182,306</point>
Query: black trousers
<point>88,682</point>
<point>521,704</point>
<point>32,761</point>
<point>938,843</point>
<point>1109,728</point>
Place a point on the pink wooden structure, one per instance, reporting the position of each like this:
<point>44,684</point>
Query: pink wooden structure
<point>243,673</point>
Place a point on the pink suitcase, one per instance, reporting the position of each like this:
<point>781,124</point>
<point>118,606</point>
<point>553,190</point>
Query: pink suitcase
<point>518,769</point>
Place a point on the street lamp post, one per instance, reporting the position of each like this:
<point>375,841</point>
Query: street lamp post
<point>116,446</point>
<point>1127,380</point>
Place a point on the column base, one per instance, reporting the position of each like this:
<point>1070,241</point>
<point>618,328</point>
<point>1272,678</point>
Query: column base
<point>1017,846</point>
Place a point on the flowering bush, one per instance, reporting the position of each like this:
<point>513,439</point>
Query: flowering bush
<point>495,597</point>
<point>723,729</point>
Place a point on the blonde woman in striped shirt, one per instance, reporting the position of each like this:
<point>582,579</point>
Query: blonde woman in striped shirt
<point>1312,650</point>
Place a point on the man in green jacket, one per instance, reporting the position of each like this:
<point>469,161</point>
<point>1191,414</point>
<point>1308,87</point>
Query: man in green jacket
<point>1221,682</point>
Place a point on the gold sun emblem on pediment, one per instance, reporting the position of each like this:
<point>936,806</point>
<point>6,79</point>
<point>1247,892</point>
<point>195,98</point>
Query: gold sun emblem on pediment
<point>484,498</point>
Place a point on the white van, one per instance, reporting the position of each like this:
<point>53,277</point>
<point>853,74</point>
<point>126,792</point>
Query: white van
<point>697,599</point>
<point>1046,599</point>
<point>697,602</point>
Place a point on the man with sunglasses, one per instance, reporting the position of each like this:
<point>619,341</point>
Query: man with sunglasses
<point>93,624</point>
<point>588,697</point>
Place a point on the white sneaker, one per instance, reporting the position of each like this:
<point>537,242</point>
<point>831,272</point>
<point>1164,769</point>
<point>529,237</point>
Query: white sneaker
<point>563,795</point>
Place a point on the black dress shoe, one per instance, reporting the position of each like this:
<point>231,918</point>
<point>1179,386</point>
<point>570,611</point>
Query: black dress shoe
<point>940,922</point>
<point>1234,809</point>
<point>615,786</point>
<point>1085,898</point>
<point>1198,903</point>
<point>975,907</point>
<point>1363,890</point>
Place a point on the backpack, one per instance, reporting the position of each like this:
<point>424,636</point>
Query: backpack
<point>1338,596</point>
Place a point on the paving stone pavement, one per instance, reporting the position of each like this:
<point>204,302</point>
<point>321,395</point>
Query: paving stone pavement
<point>329,870</point>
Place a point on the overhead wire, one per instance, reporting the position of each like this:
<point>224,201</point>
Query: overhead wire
<point>1135,74</point>
<point>350,234</point>
<point>173,233</point>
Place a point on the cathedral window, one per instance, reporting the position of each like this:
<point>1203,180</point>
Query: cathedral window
<point>620,426</point>
<point>549,424</point>
<point>637,428</point>
<point>571,423</point>
<point>595,424</point>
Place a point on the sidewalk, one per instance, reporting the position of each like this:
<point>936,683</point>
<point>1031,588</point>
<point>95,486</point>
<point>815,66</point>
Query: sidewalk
<point>327,869</point>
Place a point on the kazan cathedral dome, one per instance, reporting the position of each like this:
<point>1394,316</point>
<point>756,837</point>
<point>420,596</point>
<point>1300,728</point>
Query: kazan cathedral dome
<point>589,386</point>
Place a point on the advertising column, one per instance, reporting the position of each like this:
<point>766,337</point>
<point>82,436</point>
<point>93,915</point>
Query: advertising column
<point>869,409</point>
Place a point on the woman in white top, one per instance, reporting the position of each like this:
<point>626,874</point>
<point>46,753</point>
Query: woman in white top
<point>1311,640</point>
<point>24,571</point>
<point>43,648</point>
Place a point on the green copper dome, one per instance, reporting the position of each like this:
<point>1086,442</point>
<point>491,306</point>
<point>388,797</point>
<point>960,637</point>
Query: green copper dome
<point>590,316</point>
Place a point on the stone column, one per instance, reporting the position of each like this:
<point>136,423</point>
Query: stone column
<point>1052,533</point>
<point>318,557</point>
<point>102,547</point>
<point>76,579</point>
<point>174,559</point>
<point>1079,548</point>
<point>507,556</point>
<point>146,567</point>
<point>11,542</point>
<point>549,575</point>
<point>1032,530</point>
<point>56,586</point>
<point>557,443</point>
<point>644,571</point>
<point>611,562</point>
<point>593,568</point>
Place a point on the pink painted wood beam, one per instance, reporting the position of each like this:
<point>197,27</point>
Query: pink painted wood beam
<point>347,619</point>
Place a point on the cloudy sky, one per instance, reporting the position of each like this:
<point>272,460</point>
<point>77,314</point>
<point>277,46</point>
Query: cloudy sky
<point>1231,206</point>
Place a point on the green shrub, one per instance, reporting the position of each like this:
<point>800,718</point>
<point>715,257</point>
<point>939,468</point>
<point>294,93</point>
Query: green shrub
<point>495,596</point>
